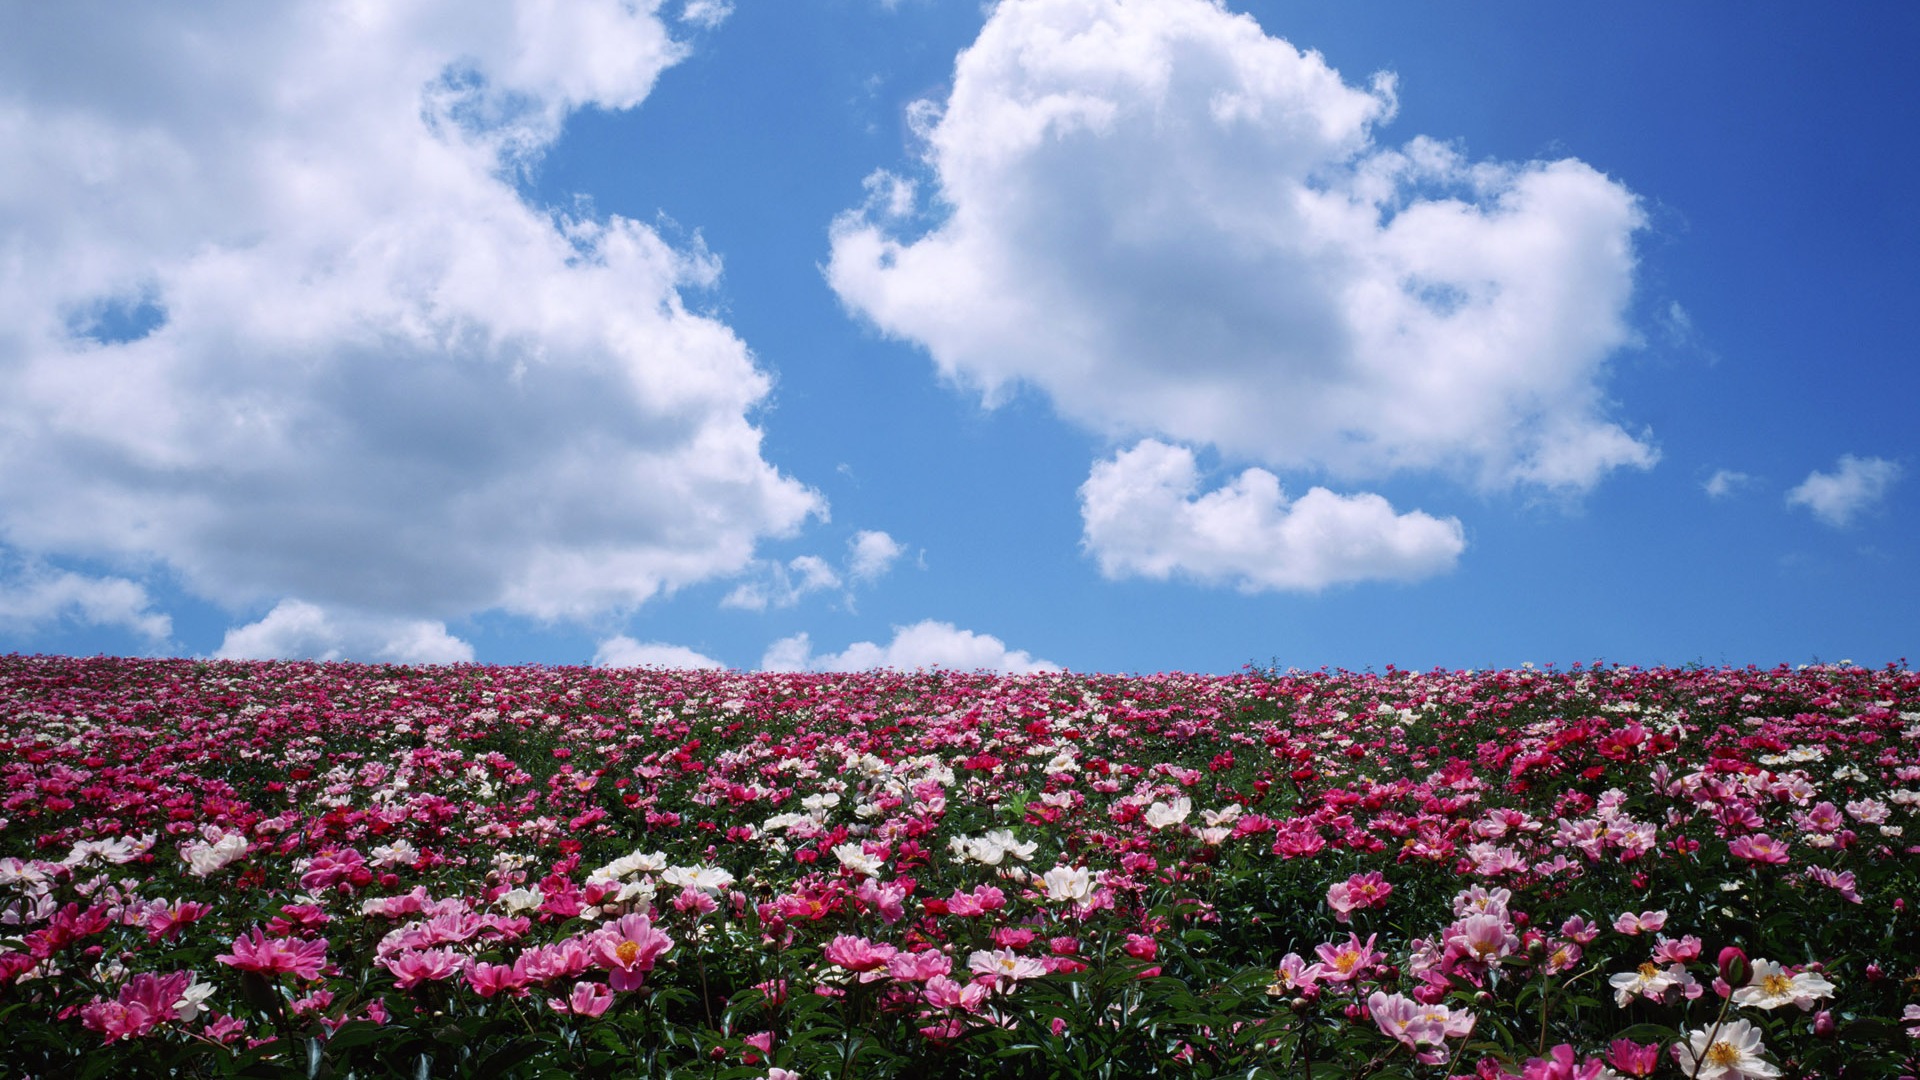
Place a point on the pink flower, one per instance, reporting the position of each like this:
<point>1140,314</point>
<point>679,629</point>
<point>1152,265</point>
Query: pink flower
<point>255,951</point>
<point>489,979</point>
<point>164,920</point>
<point>1630,1058</point>
<point>1482,938</point>
<point>1759,848</point>
<point>1559,1065</point>
<point>982,899</point>
<point>588,999</point>
<point>857,954</point>
<point>1423,1029</point>
<point>116,1021</point>
<point>944,993</point>
<point>1647,922</point>
<point>1344,963</point>
<point>628,948</point>
<point>145,1002</point>
<point>920,966</point>
<point>415,966</point>
<point>1684,951</point>
<point>887,901</point>
<point>1369,890</point>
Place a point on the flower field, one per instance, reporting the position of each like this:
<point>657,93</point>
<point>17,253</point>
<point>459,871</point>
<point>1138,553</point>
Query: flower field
<point>252,869</point>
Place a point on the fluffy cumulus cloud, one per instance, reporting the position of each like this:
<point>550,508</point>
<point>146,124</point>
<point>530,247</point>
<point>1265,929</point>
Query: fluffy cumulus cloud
<point>34,596</point>
<point>1176,225</point>
<point>1855,485</point>
<point>295,629</point>
<point>870,554</point>
<point>925,644</point>
<point>623,651</point>
<point>1144,517</point>
<point>274,317</point>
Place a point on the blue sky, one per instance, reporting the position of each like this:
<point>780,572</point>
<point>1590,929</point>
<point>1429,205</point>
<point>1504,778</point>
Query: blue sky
<point>1110,336</point>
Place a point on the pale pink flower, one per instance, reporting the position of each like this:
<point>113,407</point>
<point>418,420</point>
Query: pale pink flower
<point>944,993</point>
<point>1293,975</point>
<point>1005,964</point>
<point>1647,922</point>
<point>1423,1029</point>
<point>1482,938</point>
<point>1346,962</point>
<point>1759,848</point>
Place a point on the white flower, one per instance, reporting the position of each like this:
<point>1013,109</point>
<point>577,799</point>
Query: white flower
<point>1073,883</point>
<point>1160,815</point>
<point>1772,987</point>
<point>855,858</point>
<point>398,853</point>
<point>193,1002</point>
<point>707,878</point>
<point>517,900</point>
<point>1646,981</point>
<point>204,859</point>
<point>1730,1052</point>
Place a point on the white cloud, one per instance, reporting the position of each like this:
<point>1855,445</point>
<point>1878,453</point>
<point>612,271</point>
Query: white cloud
<point>1724,482</point>
<point>274,317</point>
<point>623,651</point>
<point>925,644</point>
<point>782,586</point>
<point>1176,225</point>
<point>36,595</point>
<point>871,555</point>
<point>1855,485</point>
<point>1143,517</point>
<point>297,630</point>
<point>706,14</point>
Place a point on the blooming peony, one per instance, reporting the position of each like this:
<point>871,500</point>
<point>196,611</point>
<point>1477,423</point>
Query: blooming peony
<point>255,951</point>
<point>1772,987</point>
<point>1730,1051</point>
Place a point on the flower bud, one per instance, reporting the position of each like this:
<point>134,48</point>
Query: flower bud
<point>1823,1024</point>
<point>1734,966</point>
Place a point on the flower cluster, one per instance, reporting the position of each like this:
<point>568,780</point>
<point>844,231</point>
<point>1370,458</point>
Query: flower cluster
<point>1478,875</point>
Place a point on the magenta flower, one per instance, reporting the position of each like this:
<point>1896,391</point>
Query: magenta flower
<point>255,951</point>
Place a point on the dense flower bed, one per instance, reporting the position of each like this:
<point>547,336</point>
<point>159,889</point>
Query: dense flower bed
<point>306,869</point>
